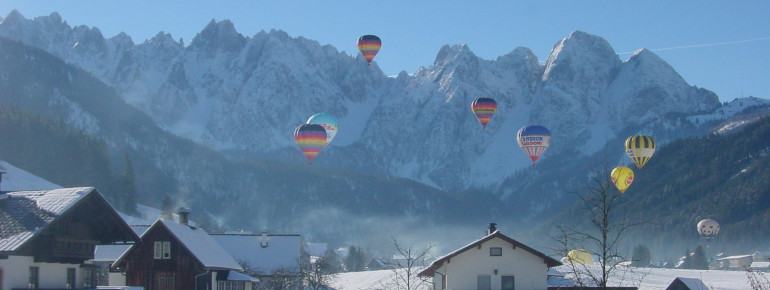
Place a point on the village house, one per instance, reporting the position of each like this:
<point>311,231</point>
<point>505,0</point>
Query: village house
<point>47,237</point>
<point>273,258</point>
<point>494,261</point>
<point>738,263</point>
<point>174,255</point>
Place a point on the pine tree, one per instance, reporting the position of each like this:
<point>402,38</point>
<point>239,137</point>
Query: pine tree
<point>641,256</point>
<point>698,259</point>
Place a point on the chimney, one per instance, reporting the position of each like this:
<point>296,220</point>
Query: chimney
<point>184,215</point>
<point>492,228</point>
<point>2,172</point>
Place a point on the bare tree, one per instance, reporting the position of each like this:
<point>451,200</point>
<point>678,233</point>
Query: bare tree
<point>319,273</point>
<point>757,280</point>
<point>405,270</point>
<point>603,234</point>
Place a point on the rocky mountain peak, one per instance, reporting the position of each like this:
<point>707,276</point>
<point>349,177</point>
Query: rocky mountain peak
<point>218,36</point>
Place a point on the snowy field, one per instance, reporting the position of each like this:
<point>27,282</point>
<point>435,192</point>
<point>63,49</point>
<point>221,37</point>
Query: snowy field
<point>644,278</point>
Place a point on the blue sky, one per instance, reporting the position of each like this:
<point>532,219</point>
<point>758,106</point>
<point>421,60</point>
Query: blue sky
<point>723,46</point>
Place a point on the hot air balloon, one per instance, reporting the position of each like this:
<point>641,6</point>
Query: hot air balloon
<point>327,121</point>
<point>310,138</point>
<point>640,148</point>
<point>533,139</point>
<point>580,256</point>
<point>369,45</point>
<point>622,177</point>
<point>484,108</point>
<point>708,228</point>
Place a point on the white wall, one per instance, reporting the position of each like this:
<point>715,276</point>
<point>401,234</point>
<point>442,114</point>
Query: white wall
<point>117,279</point>
<point>529,270</point>
<point>52,275</point>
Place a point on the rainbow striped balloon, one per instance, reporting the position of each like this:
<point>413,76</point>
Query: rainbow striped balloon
<point>369,45</point>
<point>310,138</point>
<point>485,109</point>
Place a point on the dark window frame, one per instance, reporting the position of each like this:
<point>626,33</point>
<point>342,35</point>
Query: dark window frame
<point>495,251</point>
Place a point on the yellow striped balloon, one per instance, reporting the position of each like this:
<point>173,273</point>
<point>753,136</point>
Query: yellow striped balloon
<point>640,149</point>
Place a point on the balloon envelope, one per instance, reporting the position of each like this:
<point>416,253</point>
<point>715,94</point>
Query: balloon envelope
<point>534,140</point>
<point>622,177</point>
<point>310,138</point>
<point>708,228</point>
<point>327,121</point>
<point>580,256</point>
<point>640,149</point>
<point>484,109</point>
<point>369,45</point>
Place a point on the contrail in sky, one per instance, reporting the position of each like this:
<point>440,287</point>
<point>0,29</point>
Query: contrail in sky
<point>703,45</point>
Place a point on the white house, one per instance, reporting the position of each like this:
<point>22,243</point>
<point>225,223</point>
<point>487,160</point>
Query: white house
<point>494,261</point>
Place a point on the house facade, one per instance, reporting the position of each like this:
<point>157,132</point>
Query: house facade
<point>179,256</point>
<point>494,261</point>
<point>47,237</point>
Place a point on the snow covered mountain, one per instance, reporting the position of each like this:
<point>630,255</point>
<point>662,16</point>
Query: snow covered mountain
<point>243,97</point>
<point>247,94</point>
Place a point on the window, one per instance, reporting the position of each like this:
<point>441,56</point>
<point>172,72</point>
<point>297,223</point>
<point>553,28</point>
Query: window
<point>70,278</point>
<point>508,283</point>
<point>89,277</point>
<point>34,277</point>
<point>162,250</point>
<point>158,250</point>
<point>166,250</point>
<point>231,285</point>
<point>484,282</point>
<point>495,251</point>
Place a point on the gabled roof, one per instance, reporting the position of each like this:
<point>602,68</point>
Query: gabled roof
<point>550,262</point>
<point>200,245</point>
<point>282,251</point>
<point>25,214</point>
<point>689,283</point>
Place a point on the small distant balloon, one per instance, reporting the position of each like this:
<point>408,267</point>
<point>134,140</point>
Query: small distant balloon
<point>310,138</point>
<point>640,149</point>
<point>622,177</point>
<point>329,123</point>
<point>484,109</point>
<point>369,45</point>
<point>580,256</point>
<point>534,140</point>
<point>708,228</point>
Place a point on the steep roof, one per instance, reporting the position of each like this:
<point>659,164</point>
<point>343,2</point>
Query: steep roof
<point>25,214</point>
<point>550,262</point>
<point>282,251</point>
<point>197,241</point>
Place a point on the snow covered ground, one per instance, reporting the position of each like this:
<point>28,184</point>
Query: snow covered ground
<point>644,278</point>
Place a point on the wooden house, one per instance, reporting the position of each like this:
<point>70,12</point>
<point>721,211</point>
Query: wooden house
<point>47,237</point>
<point>179,256</point>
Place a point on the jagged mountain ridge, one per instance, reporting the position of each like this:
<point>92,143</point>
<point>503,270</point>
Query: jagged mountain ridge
<point>238,93</point>
<point>270,195</point>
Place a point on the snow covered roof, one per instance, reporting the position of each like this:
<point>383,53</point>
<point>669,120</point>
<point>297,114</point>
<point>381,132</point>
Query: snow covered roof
<point>237,276</point>
<point>198,242</point>
<point>551,262</point>
<point>735,257</point>
<point>109,253</point>
<point>24,214</point>
<point>317,249</point>
<point>691,283</point>
<point>760,265</point>
<point>282,251</point>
